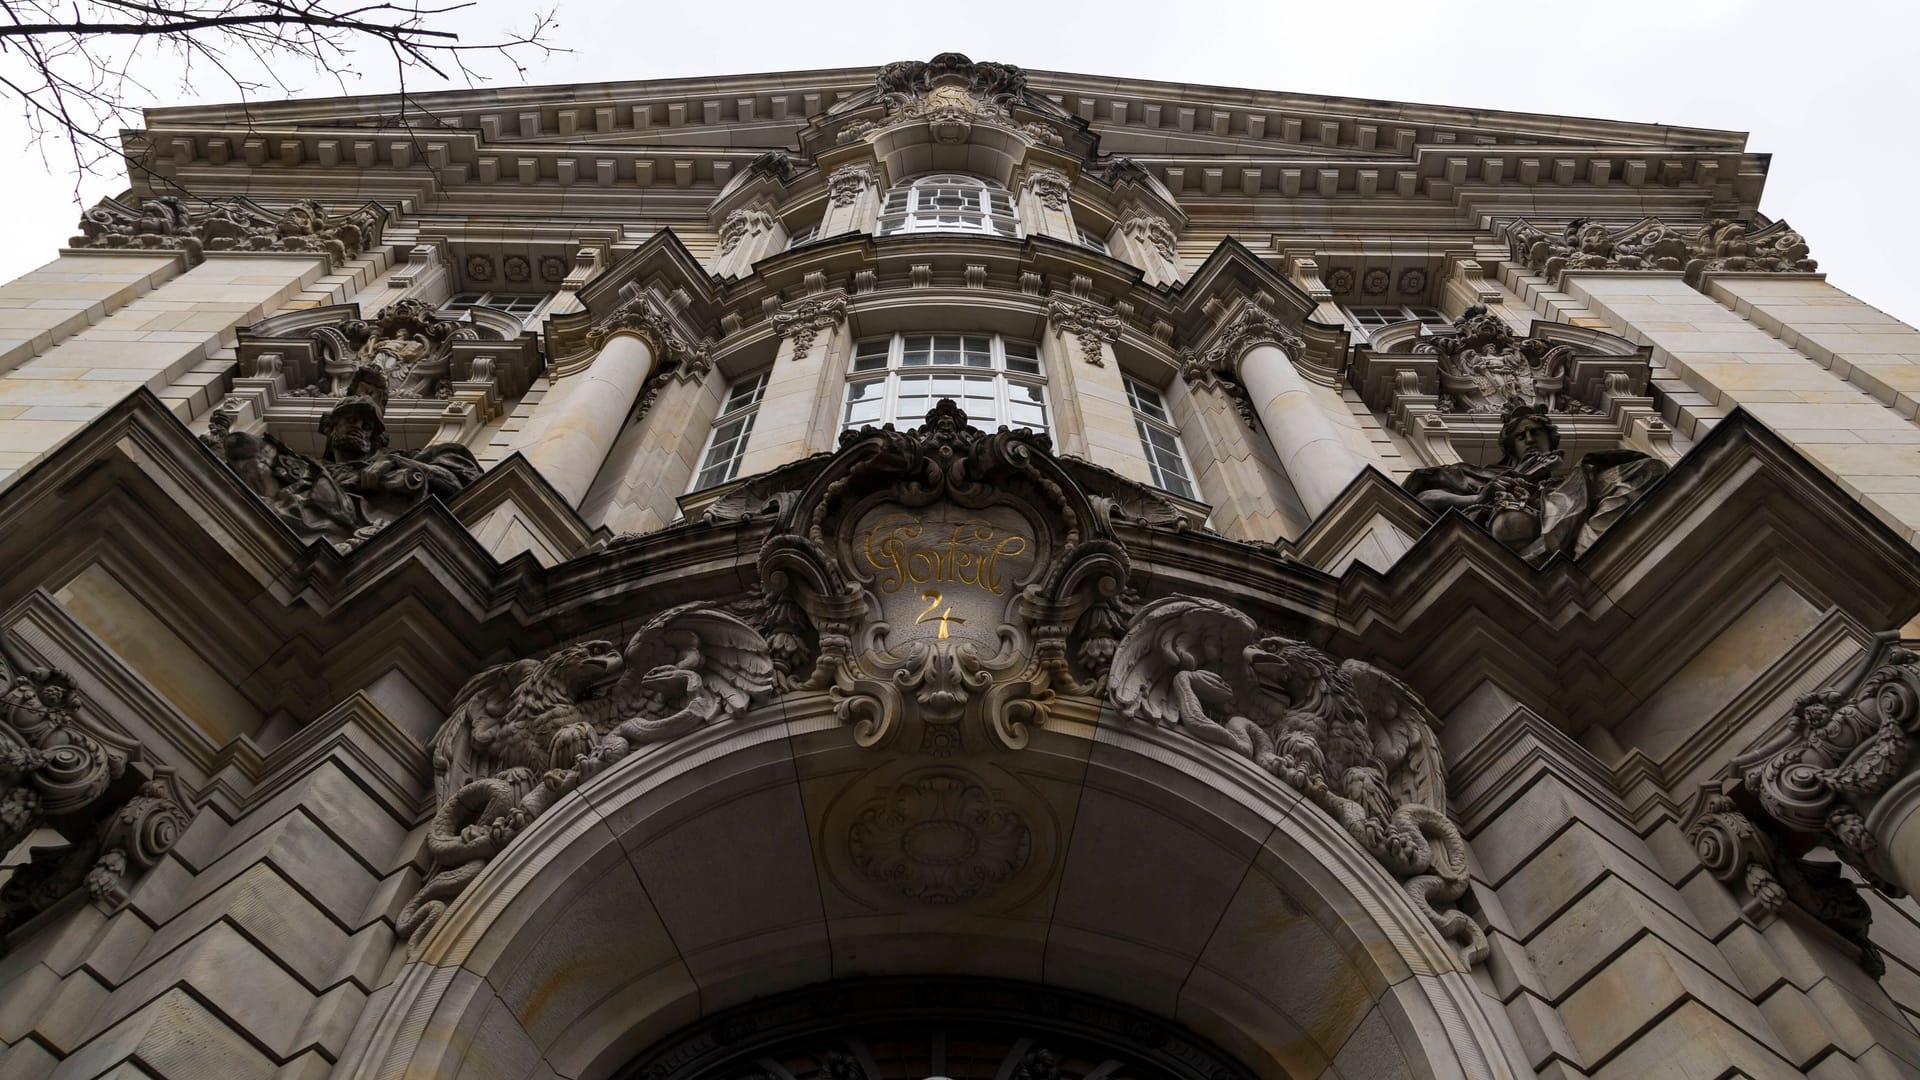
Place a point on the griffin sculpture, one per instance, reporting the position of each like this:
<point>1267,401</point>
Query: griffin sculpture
<point>522,734</point>
<point>1355,740</point>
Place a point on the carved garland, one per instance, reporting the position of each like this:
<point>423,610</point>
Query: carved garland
<point>171,223</point>
<point>1051,186</point>
<point>845,184</point>
<point>804,321</point>
<point>1652,244</point>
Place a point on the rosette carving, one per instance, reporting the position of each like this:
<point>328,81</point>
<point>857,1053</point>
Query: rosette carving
<point>939,836</point>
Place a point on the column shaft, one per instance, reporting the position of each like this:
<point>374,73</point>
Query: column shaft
<point>1316,457</point>
<point>574,442</point>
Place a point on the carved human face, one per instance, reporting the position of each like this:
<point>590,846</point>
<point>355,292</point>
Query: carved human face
<point>1532,437</point>
<point>352,438</point>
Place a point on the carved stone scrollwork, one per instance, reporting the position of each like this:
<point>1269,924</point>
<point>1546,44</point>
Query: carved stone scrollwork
<point>407,341</point>
<point>1215,369</point>
<point>169,223</point>
<point>744,223</point>
<point>1652,244</point>
<point>522,734</point>
<point>1051,186</point>
<point>1152,230</point>
<point>63,770</point>
<point>940,836</point>
<point>845,184</point>
<point>1750,857</point>
<point>1357,742</point>
<point>931,580</point>
<point>1090,324</point>
<point>1487,368</point>
<point>804,321</point>
<point>359,486</point>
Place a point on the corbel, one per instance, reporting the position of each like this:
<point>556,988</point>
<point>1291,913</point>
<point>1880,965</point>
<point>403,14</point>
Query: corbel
<point>1466,284</point>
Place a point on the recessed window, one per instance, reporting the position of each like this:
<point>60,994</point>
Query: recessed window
<point>1091,240</point>
<point>804,236</point>
<point>1159,440</point>
<point>1369,319</point>
<point>948,203</point>
<point>899,379</point>
<point>522,306</point>
<point>727,442</point>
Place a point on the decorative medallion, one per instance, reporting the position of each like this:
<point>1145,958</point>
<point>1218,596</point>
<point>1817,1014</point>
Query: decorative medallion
<point>939,836</point>
<point>480,268</point>
<point>517,268</point>
<point>553,268</point>
<point>1375,281</point>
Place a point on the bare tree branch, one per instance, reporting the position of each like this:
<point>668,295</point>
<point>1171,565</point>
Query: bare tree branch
<point>71,66</point>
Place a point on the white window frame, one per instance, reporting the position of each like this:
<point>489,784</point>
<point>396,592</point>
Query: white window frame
<point>1159,418</point>
<point>1432,319</point>
<point>912,207</point>
<point>456,305</point>
<point>897,371</point>
<point>805,236</point>
<point>742,405</point>
<point>1091,240</point>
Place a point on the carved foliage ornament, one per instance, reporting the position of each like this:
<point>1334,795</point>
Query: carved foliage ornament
<point>1051,186</point>
<point>1217,368</point>
<point>1652,244</point>
<point>804,321</point>
<point>1357,742</point>
<point>408,341</point>
<point>522,734</point>
<point>931,580</point>
<point>952,93</point>
<point>1089,323</point>
<point>1151,230</point>
<point>741,224</point>
<point>940,836</point>
<point>845,184</point>
<point>1487,368</point>
<point>170,223</point>
<point>62,769</point>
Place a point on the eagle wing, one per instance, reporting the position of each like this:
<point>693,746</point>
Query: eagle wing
<point>1406,735</point>
<point>479,738</point>
<point>1172,635</point>
<point>732,661</point>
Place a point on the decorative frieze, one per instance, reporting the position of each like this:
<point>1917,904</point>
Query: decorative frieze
<point>62,769</point>
<point>228,224</point>
<point>1354,740</point>
<point>803,321</point>
<point>1652,244</point>
<point>1530,500</point>
<point>1092,325</point>
<point>522,734</point>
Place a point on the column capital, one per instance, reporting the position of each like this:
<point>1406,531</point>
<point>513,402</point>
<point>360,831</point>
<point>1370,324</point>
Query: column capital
<point>1091,325</point>
<point>803,320</point>
<point>641,318</point>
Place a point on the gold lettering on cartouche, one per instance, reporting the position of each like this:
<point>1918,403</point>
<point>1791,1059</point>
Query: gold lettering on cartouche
<point>933,598</point>
<point>970,556</point>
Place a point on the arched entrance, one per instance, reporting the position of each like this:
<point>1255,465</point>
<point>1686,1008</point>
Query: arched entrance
<point>711,872</point>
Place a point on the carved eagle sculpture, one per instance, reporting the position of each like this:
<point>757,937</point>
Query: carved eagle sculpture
<point>1355,740</point>
<point>522,734</point>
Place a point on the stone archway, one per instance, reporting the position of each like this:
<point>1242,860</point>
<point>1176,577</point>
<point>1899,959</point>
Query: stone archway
<point>708,872</point>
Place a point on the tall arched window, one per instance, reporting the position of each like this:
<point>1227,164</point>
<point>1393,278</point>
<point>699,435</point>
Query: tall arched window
<point>948,203</point>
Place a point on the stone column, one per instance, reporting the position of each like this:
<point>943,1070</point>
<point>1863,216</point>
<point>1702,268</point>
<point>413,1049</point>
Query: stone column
<point>576,438</point>
<point>853,201</point>
<point>1316,457</point>
<point>652,463</point>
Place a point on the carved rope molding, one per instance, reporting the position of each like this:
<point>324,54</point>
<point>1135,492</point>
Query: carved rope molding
<point>1091,325</point>
<point>804,321</point>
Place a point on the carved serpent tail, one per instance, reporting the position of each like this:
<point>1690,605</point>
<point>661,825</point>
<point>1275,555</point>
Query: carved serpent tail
<point>476,822</point>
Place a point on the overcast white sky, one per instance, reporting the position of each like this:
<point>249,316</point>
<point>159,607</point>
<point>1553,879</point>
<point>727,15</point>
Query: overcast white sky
<point>1829,89</point>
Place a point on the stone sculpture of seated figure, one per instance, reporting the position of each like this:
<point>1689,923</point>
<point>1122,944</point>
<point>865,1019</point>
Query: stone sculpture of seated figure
<point>1529,500</point>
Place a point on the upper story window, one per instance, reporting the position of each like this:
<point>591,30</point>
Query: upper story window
<point>1369,319</point>
<point>805,236</point>
<point>948,203</point>
<point>1159,439</point>
<point>1091,240</point>
<point>522,306</point>
<point>727,441</point>
<point>899,379</point>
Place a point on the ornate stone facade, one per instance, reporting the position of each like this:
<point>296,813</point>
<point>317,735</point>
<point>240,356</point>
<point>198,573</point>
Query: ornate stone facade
<point>959,571</point>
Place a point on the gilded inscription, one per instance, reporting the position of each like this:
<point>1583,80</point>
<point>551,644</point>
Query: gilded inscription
<point>902,555</point>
